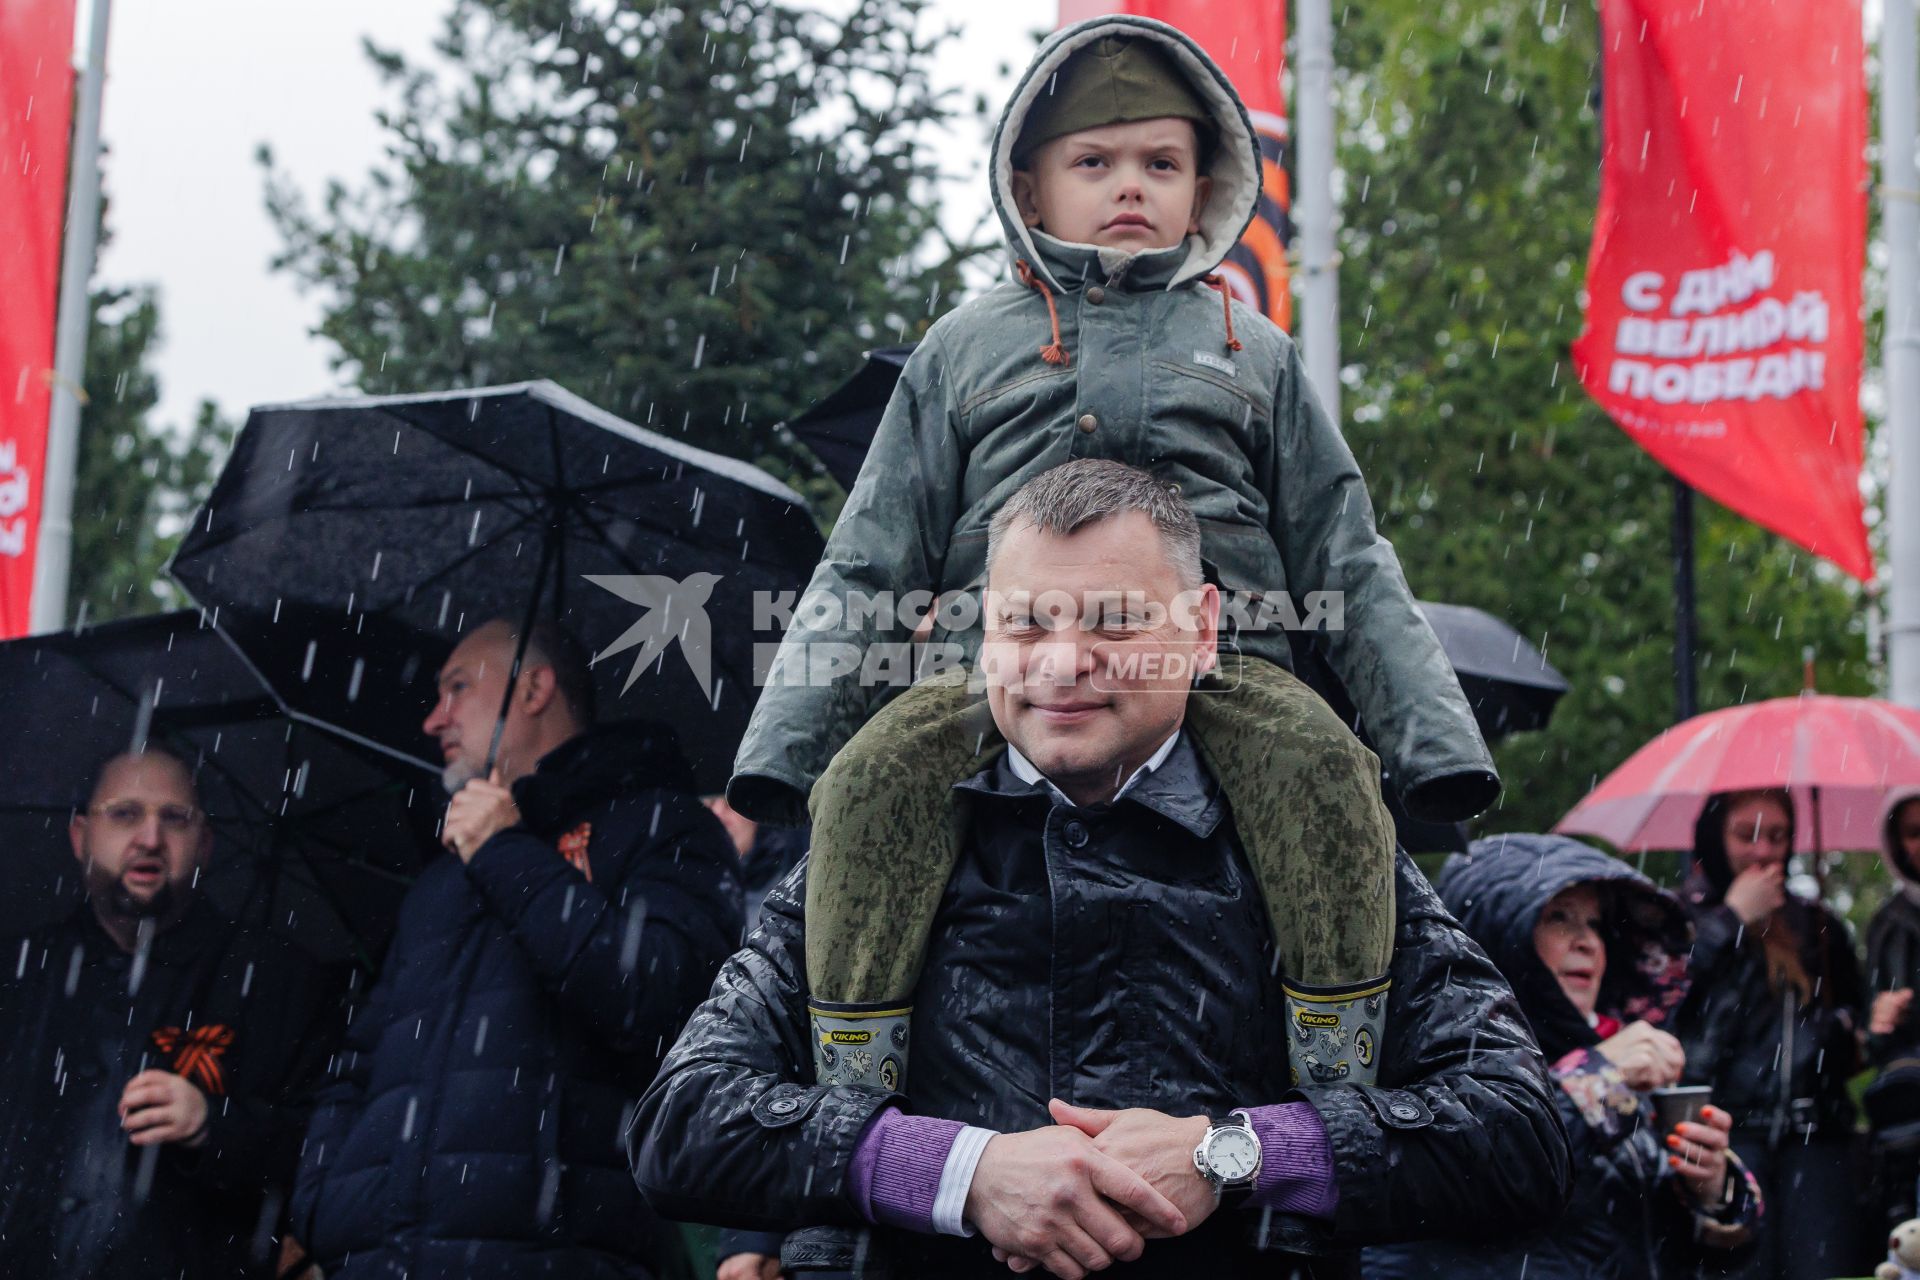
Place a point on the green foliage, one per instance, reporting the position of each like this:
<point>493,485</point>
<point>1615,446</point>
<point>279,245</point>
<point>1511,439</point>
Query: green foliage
<point>137,482</point>
<point>698,214</point>
<point>1471,148</point>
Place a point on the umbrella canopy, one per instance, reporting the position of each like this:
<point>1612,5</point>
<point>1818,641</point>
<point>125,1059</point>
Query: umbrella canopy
<point>1508,683</point>
<point>349,543</point>
<point>1838,756</point>
<point>313,837</point>
<point>840,428</point>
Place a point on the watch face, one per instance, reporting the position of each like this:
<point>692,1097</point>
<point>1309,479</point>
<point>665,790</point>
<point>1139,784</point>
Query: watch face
<point>1232,1154</point>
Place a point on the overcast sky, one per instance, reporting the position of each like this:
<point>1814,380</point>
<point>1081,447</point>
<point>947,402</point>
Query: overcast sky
<point>194,86</point>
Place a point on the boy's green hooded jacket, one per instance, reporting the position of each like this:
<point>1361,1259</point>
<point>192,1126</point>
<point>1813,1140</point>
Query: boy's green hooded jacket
<point>1150,378</point>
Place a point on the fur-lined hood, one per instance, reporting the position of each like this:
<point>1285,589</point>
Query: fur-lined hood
<point>1236,167</point>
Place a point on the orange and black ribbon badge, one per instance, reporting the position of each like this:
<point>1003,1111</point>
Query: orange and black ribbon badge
<point>573,847</point>
<point>196,1054</point>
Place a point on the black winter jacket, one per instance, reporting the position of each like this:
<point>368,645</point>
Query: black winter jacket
<point>1737,1029</point>
<point>1114,956</point>
<point>244,1015</point>
<point>474,1127</point>
<point>1625,1220</point>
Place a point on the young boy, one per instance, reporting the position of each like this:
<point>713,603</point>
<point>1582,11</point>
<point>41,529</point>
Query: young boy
<point>1124,168</point>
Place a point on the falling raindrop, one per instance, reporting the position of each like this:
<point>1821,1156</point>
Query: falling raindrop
<point>630,938</point>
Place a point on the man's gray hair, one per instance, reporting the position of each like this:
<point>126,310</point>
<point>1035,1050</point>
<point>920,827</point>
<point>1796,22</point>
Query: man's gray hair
<point>1075,494</point>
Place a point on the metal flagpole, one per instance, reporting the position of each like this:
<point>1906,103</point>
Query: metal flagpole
<point>54,558</point>
<point>1686,701</point>
<point>1900,216</point>
<point>1319,265</point>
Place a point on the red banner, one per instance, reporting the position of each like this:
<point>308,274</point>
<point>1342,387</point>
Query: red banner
<point>1249,41</point>
<point>36,106</point>
<point>1723,315</point>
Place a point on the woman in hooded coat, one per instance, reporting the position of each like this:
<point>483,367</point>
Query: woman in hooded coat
<point>1773,1023</point>
<point>1597,956</point>
<point>1893,939</point>
<point>1893,1031</point>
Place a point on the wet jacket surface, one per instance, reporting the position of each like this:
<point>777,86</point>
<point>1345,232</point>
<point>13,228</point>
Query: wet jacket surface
<point>1625,1220</point>
<point>1113,956</point>
<point>81,1019</point>
<point>1737,1029</point>
<point>473,1129</point>
<point>1151,381</point>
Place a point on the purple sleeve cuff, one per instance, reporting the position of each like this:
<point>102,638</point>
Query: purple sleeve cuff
<point>897,1166</point>
<point>1296,1161</point>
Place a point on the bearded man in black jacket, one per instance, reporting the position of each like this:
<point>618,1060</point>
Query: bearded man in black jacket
<point>157,1059</point>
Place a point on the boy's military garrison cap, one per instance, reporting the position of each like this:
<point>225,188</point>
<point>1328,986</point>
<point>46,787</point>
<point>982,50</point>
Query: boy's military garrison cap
<point>1114,80</point>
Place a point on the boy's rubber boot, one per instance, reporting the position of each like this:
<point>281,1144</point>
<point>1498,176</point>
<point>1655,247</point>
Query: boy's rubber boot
<point>887,829</point>
<point>1315,827</point>
<point>1306,802</point>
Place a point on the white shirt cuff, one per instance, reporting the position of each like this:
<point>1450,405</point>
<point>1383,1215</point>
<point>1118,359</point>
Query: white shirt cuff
<point>956,1179</point>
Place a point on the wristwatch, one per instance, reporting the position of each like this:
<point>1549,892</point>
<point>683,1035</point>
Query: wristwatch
<point>1228,1157</point>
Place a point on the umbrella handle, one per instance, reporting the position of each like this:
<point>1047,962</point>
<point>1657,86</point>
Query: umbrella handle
<point>547,543</point>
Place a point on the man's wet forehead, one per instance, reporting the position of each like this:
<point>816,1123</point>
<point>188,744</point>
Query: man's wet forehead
<point>469,660</point>
<point>146,775</point>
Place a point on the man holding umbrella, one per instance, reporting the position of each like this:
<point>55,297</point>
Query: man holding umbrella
<point>156,1057</point>
<point>538,974</point>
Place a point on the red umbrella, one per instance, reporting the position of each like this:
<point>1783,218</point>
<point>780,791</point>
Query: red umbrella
<point>1840,757</point>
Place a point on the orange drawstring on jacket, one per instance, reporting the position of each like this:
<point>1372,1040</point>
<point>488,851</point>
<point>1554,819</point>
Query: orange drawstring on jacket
<point>1054,352</point>
<point>1226,307</point>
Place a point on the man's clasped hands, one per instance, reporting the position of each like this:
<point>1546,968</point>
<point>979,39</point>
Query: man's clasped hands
<point>1090,1190</point>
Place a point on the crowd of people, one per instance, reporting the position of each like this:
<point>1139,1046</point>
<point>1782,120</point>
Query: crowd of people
<point>1084,964</point>
<point>569,1049</point>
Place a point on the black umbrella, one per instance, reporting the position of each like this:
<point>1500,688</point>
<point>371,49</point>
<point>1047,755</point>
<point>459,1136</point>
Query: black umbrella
<point>1508,682</point>
<point>314,837</point>
<point>349,543</point>
<point>1509,685</point>
<point>840,427</point>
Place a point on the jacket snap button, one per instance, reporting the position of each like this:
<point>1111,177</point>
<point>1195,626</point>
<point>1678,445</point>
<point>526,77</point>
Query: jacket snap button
<point>1402,1111</point>
<point>1089,423</point>
<point>783,1106</point>
<point>1096,295</point>
<point>1076,833</point>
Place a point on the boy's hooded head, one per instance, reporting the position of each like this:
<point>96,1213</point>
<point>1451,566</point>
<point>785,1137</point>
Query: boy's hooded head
<point>1232,163</point>
<point>1114,152</point>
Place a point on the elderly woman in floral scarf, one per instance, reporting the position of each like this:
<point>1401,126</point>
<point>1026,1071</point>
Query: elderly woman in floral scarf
<point>1597,956</point>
